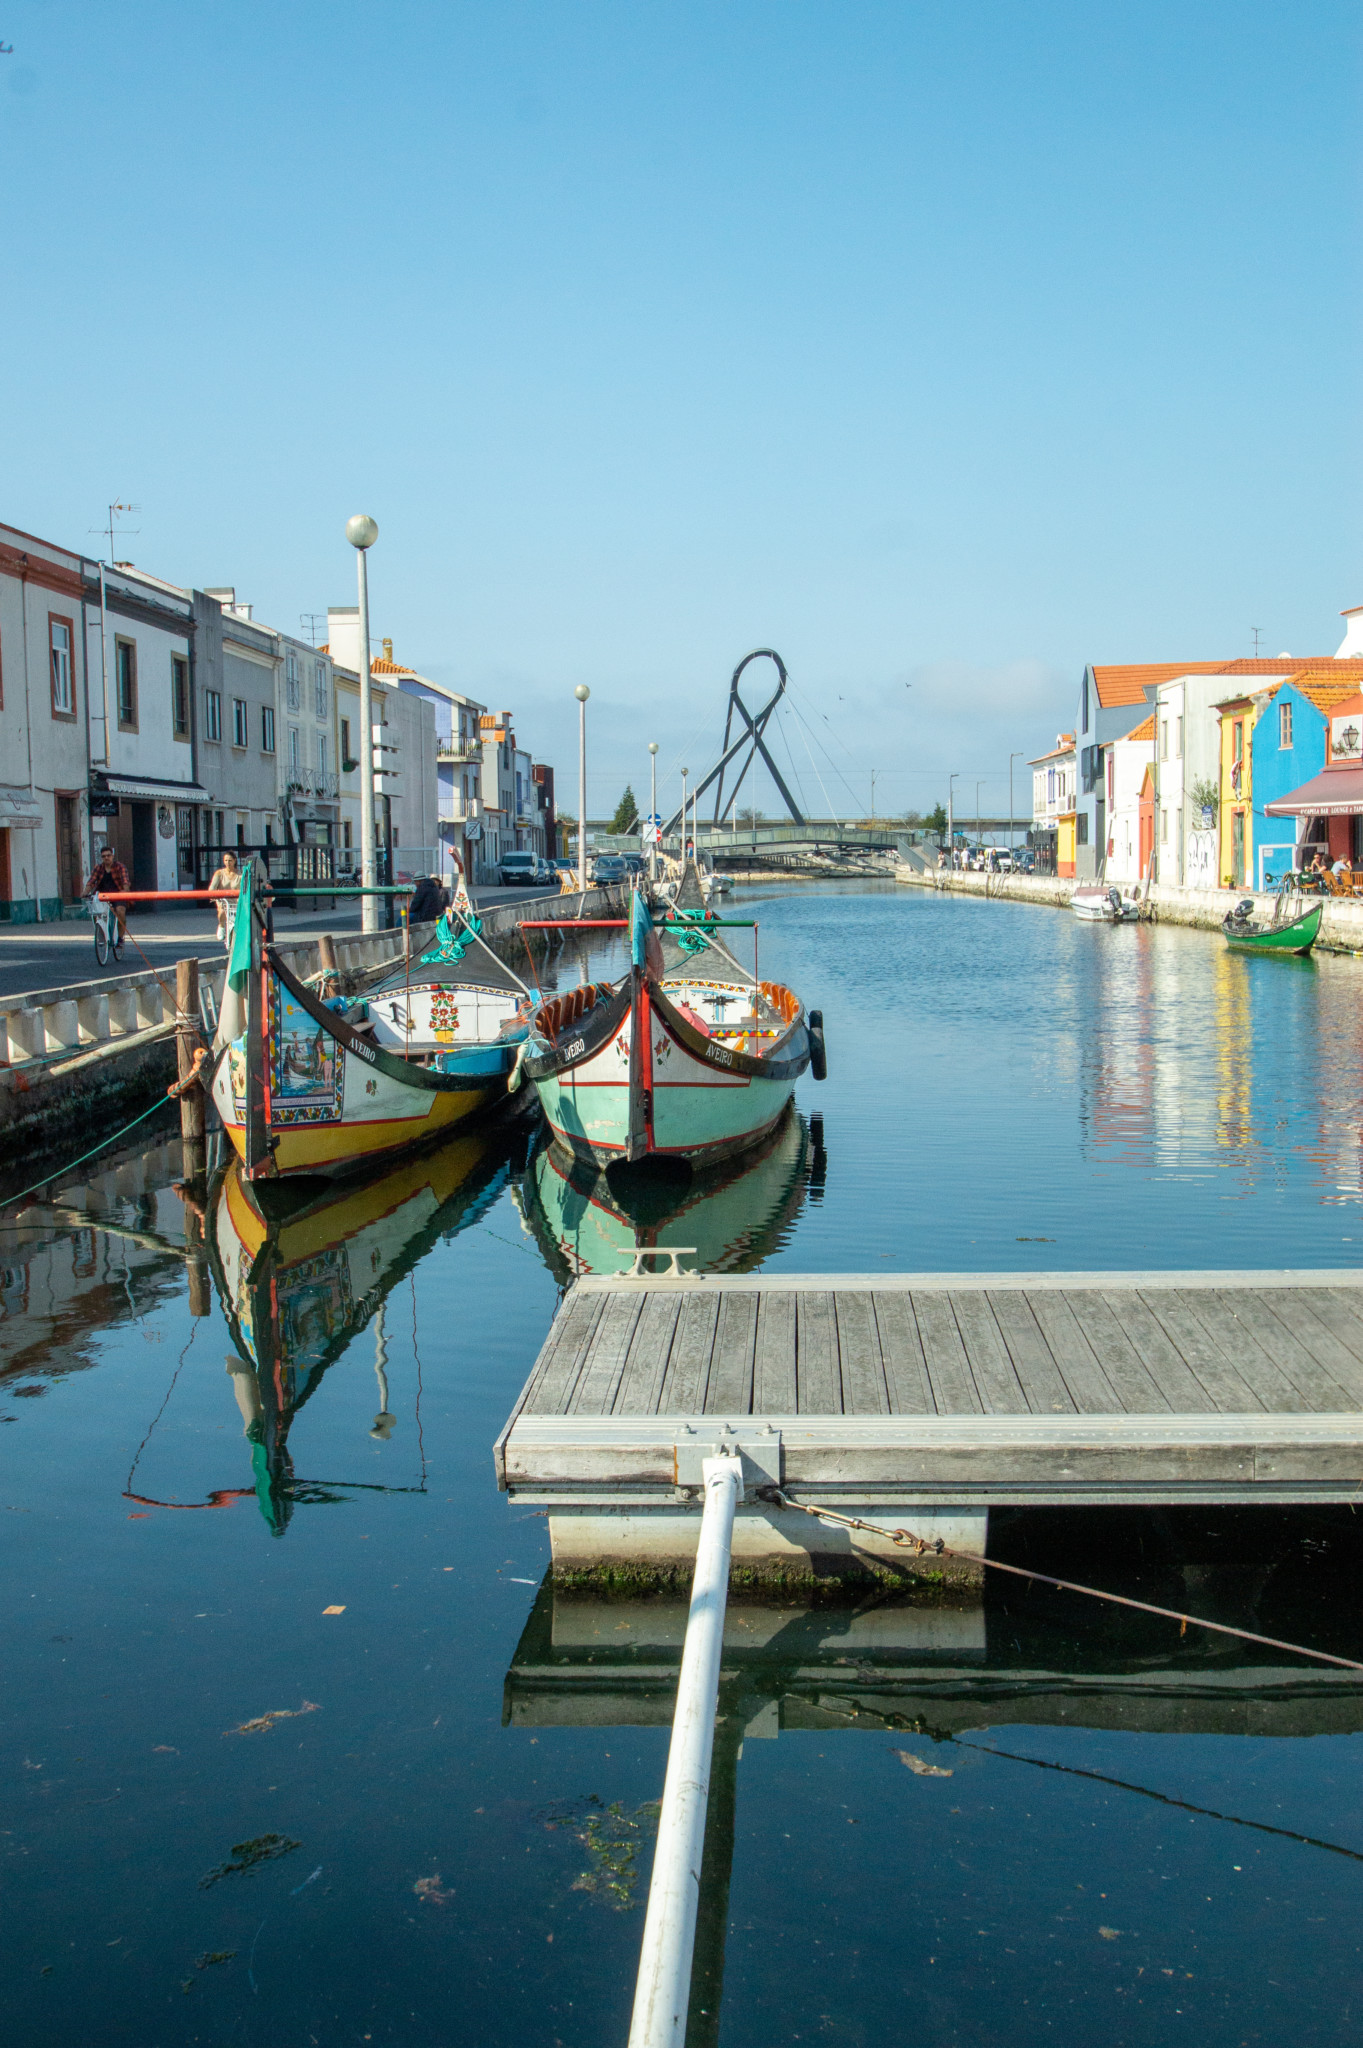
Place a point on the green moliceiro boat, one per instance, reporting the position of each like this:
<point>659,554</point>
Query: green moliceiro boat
<point>1292,935</point>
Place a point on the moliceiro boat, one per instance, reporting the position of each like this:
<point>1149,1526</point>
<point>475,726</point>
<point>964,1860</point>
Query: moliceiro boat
<point>688,1057</point>
<point>1281,934</point>
<point>308,1082</point>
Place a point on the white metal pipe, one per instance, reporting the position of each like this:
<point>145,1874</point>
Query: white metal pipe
<point>663,1990</point>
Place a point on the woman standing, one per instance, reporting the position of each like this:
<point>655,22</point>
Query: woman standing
<point>228,876</point>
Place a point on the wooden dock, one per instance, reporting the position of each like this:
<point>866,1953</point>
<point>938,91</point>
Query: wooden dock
<point>942,1393</point>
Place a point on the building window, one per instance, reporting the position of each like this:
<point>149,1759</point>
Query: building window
<point>1081,832</point>
<point>1178,738</point>
<point>345,834</point>
<point>1164,828</point>
<point>1284,725</point>
<point>321,757</point>
<point>267,728</point>
<point>319,690</point>
<point>291,680</point>
<point>241,831</point>
<point>1164,739</point>
<point>213,722</point>
<point>63,686</point>
<point>346,755</point>
<point>269,833</point>
<point>125,683</point>
<point>240,728</point>
<point>1237,741</point>
<point>295,757</point>
<point>179,695</point>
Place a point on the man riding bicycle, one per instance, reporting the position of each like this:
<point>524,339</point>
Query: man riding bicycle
<point>109,878</point>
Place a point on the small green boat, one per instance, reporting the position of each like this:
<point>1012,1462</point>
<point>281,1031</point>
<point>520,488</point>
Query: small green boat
<point>1290,935</point>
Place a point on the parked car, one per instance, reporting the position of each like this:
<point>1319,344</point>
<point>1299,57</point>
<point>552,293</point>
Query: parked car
<point>609,867</point>
<point>518,870</point>
<point>546,871</point>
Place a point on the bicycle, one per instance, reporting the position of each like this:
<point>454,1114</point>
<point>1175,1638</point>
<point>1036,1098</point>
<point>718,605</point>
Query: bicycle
<point>108,935</point>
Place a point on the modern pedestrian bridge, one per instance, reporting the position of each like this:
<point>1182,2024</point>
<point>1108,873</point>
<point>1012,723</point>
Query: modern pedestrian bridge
<point>925,1399</point>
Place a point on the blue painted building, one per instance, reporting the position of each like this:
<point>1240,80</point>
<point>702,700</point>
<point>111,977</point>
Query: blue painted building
<point>1288,745</point>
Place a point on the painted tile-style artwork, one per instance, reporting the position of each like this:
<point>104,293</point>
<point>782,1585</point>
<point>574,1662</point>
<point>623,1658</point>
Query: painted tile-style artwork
<point>444,1015</point>
<point>307,1064</point>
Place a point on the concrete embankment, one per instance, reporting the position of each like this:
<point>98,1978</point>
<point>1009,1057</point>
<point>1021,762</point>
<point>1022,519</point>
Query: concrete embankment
<point>73,1060</point>
<point>1341,928</point>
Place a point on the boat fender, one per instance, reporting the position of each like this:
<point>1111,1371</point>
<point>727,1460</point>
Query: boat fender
<point>818,1051</point>
<point>514,1078</point>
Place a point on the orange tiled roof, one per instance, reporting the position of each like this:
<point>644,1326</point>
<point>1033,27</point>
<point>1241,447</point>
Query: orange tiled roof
<point>1284,664</point>
<point>379,667</point>
<point>1144,731</point>
<point>1128,683</point>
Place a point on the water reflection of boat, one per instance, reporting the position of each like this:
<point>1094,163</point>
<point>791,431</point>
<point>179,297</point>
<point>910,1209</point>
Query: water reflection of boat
<point>301,1271</point>
<point>734,1216</point>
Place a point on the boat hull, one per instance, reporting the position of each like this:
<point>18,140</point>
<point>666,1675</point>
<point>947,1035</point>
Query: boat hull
<point>337,1102</point>
<point>709,1100</point>
<point>1297,937</point>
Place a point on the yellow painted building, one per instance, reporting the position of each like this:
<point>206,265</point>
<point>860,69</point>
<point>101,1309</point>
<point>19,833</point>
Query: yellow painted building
<point>1236,837</point>
<point>1064,843</point>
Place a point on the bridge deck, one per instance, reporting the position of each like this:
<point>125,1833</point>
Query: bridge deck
<point>951,1388</point>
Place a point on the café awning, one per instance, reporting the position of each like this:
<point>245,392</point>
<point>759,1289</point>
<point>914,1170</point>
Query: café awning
<point>1334,793</point>
<point>147,787</point>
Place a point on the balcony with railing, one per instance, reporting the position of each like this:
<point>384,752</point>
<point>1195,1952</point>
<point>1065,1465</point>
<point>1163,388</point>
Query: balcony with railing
<point>457,750</point>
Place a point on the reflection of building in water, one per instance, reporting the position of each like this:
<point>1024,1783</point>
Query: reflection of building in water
<point>301,1272</point>
<point>1234,1047</point>
<point>65,1280</point>
<point>730,1218</point>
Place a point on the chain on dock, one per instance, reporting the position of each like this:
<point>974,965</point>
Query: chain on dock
<point>923,1546</point>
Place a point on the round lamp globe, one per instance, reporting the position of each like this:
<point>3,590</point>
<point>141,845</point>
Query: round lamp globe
<point>362,531</point>
<point>582,693</point>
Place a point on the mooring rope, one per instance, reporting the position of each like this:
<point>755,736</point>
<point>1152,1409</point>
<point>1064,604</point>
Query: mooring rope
<point>923,1546</point>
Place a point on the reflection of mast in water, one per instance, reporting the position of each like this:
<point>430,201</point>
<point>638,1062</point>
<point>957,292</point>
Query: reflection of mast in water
<point>384,1423</point>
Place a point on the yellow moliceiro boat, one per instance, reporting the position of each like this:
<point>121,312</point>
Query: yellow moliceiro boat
<point>311,1086</point>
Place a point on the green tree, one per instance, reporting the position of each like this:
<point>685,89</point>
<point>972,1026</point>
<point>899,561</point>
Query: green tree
<point>936,821</point>
<point>751,817</point>
<point>626,817</point>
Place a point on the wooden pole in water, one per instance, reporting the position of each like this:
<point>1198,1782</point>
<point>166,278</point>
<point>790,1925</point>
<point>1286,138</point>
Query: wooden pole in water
<point>326,955</point>
<point>187,1040</point>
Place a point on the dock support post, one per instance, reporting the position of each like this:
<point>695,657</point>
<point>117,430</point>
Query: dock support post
<point>663,1991</point>
<point>187,1030</point>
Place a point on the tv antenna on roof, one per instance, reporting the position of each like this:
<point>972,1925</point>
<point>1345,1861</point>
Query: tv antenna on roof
<point>116,512</point>
<point>310,621</point>
<point>1256,631</point>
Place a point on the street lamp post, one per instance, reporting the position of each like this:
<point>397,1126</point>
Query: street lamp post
<point>952,780</point>
<point>1011,833</point>
<point>979,834</point>
<point>582,693</point>
<point>653,810</point>
<point>362,532</point>
<point>685,773</point>
<point>873,796</point>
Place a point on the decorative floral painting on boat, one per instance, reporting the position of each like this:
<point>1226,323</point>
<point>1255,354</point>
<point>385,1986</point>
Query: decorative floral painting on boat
<point>306,1064</point>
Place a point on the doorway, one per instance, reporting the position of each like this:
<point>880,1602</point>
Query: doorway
<point>1237,849</point>
<point>69,866</point>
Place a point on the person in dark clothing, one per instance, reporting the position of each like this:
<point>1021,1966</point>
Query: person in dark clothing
<point>427,901</point>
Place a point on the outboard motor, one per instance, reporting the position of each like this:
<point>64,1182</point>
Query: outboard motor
<point>1114,897</point>
<point>1242,913</point>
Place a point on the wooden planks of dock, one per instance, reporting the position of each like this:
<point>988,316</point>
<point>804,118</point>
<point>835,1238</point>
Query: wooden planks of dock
<point>949,1391</point>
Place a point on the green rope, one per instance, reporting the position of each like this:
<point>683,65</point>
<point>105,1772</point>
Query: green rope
<point>102,1146</point>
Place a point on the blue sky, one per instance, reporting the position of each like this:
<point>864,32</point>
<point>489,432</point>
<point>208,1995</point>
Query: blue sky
<point>943,347</point>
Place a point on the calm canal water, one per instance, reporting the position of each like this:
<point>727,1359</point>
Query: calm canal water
<point>299,1748</point>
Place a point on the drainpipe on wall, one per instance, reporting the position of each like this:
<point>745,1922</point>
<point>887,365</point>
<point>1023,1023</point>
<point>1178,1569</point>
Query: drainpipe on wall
<point>28,736</point>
